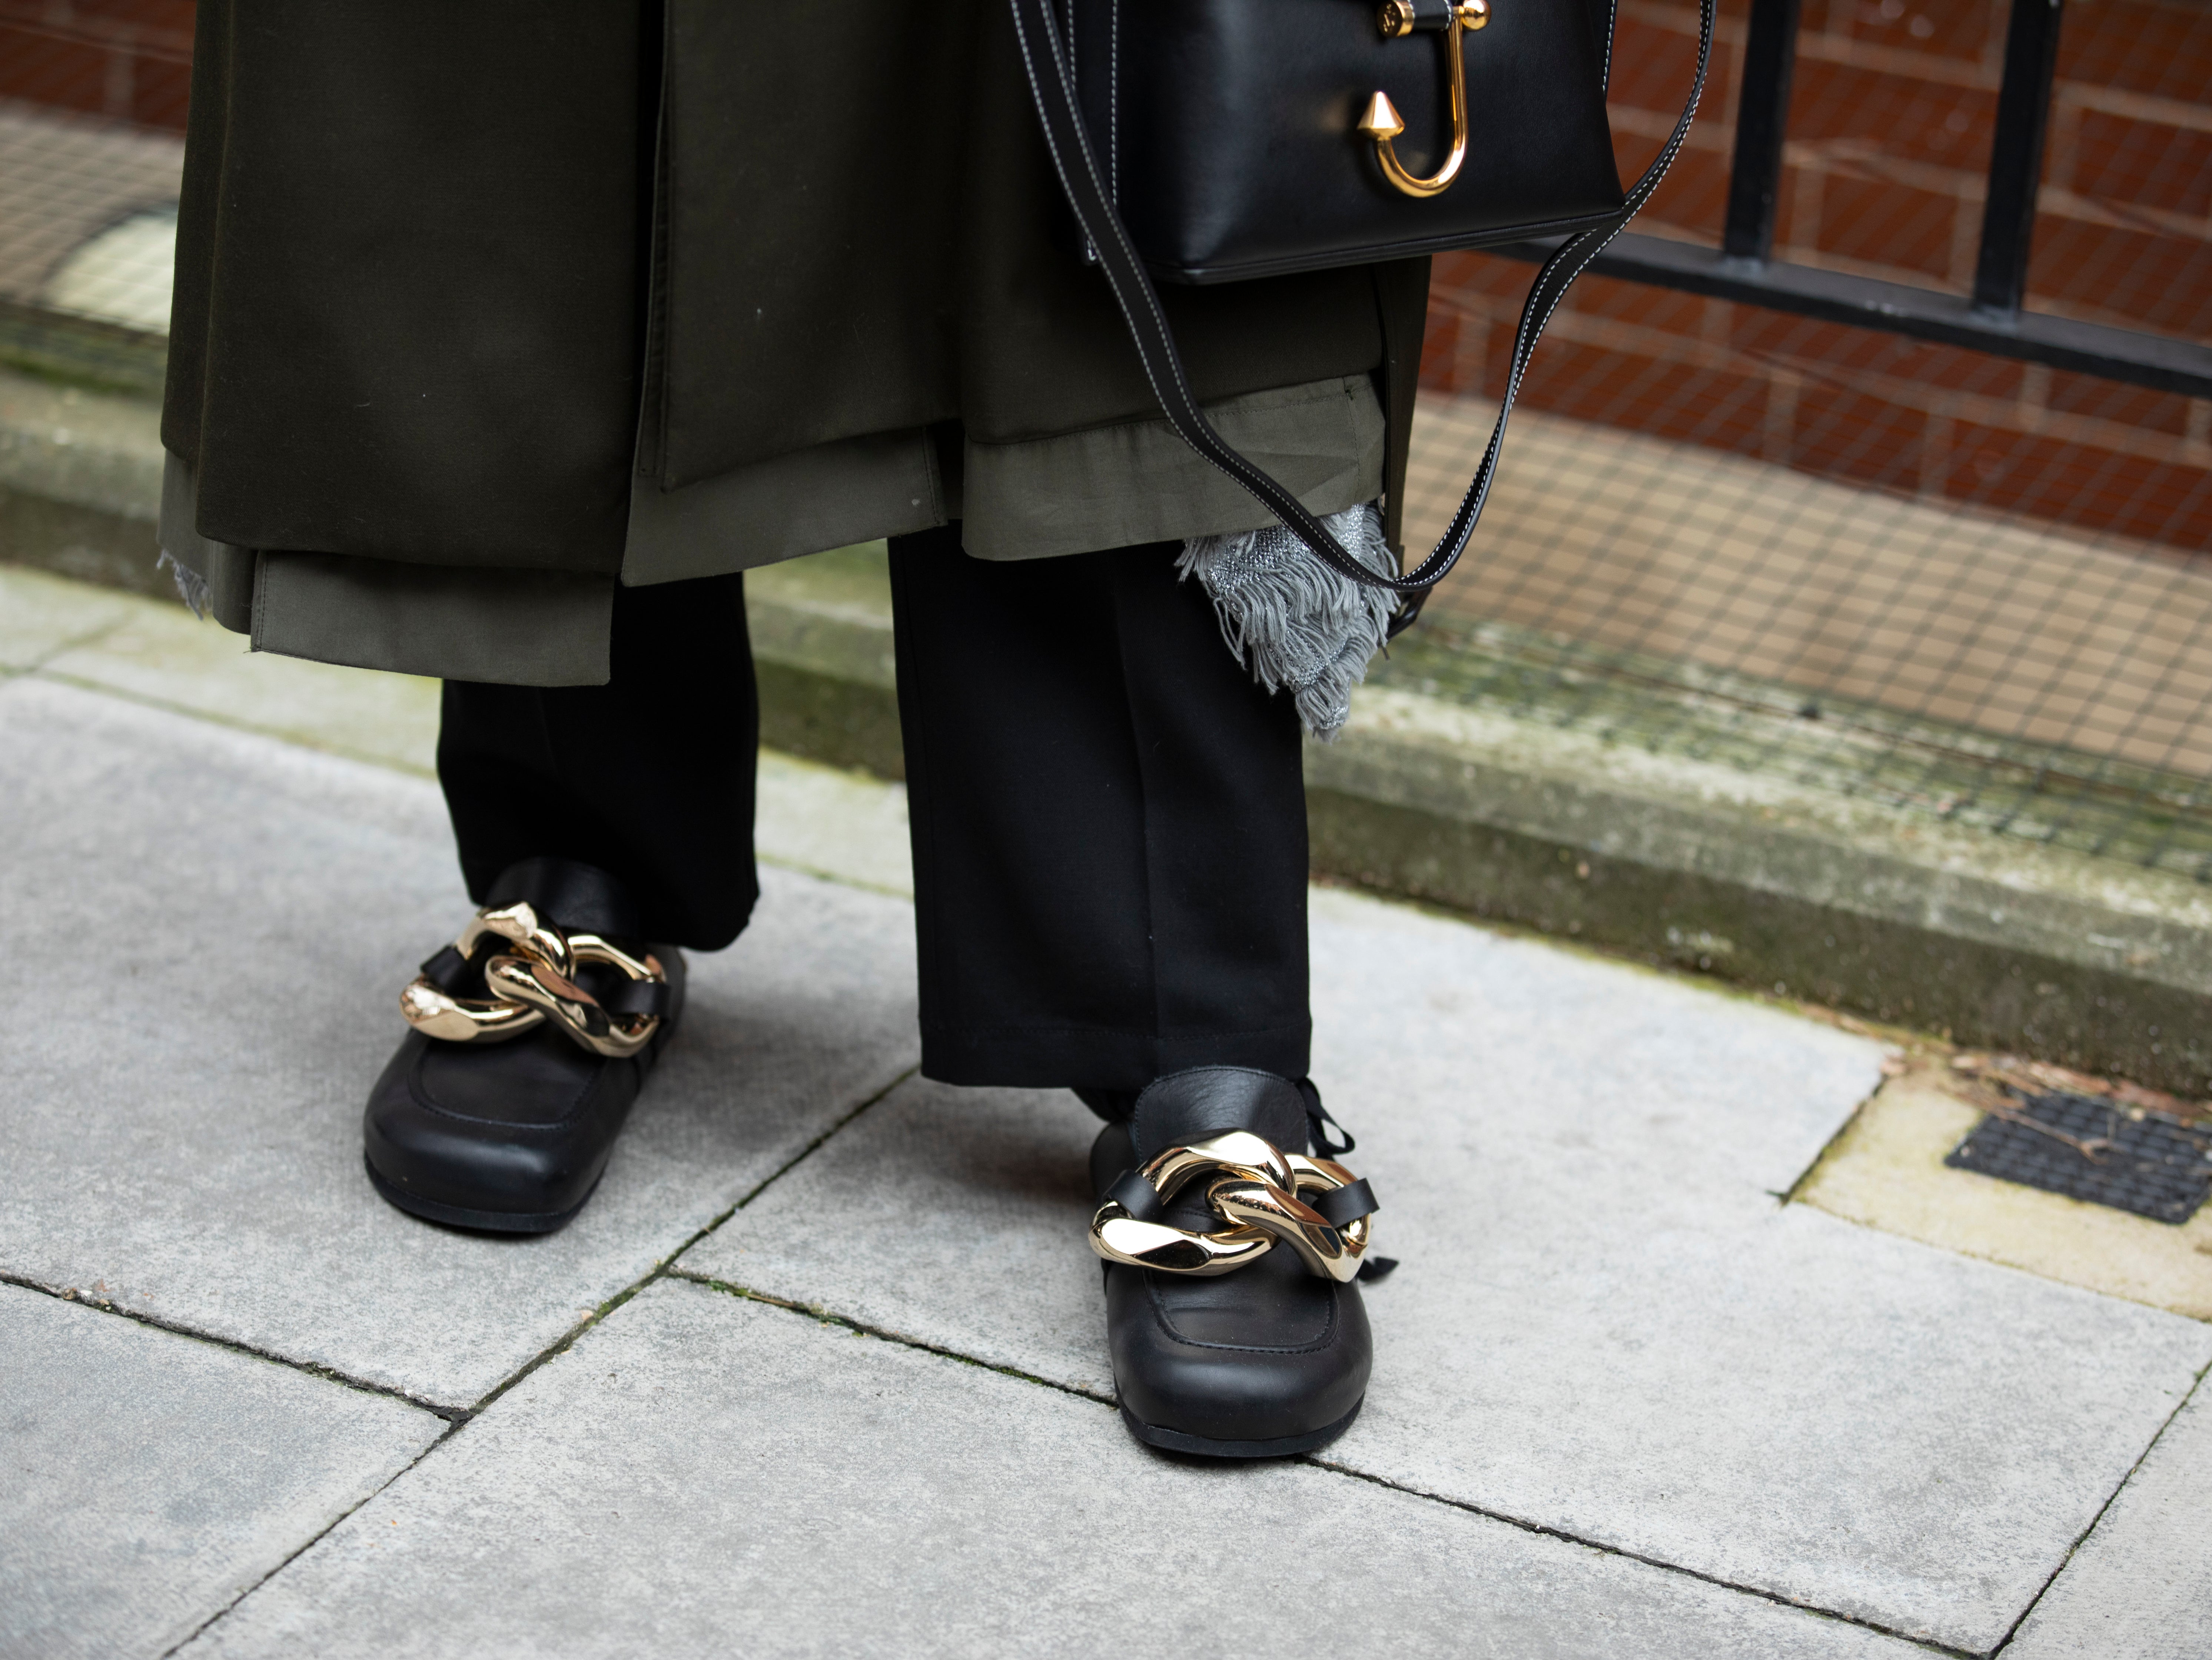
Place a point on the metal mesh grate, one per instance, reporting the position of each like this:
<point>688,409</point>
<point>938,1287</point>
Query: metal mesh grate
<point>87,216</point>
<point>87,244</point>
<point>1989,669</point>
<point>2094,1150</point>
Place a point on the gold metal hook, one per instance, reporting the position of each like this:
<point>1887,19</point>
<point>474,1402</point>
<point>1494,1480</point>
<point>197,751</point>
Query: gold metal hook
<point>1381,123</point>
<point>533,983</point>
<point>1252,1185</point>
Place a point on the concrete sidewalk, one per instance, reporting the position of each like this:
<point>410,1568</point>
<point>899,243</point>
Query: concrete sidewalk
<point>821,1368</point>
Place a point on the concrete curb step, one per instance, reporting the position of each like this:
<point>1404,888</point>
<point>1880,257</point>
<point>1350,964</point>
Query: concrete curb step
<point>1772,883</point>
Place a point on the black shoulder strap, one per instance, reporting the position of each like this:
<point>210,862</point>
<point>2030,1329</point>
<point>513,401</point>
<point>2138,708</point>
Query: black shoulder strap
<point>1045,59</point>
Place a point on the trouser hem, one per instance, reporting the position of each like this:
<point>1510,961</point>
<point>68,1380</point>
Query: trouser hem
<point>1087,1058</point>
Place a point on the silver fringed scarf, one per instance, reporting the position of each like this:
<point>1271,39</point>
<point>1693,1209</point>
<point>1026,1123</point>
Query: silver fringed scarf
<point>1297,624</point>
<point>191,586</point>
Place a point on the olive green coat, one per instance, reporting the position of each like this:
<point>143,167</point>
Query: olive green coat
<point>481,308</point>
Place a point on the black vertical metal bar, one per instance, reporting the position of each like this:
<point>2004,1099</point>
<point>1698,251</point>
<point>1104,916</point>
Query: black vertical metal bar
<point>1762,119</point>
<point>2031,61</point>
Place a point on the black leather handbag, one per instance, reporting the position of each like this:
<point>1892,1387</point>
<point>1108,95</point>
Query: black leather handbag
<point>1207,140</point>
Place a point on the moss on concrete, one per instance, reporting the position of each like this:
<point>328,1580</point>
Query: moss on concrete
<point>1975,992</point>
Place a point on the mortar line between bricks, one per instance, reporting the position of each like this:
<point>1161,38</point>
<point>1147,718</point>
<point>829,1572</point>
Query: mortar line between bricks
<point>2097,1520</point>
<point>827,1316</point>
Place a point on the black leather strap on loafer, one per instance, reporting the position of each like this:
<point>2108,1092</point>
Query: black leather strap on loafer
<point>1265,1360</point>
<point>511,1133</point>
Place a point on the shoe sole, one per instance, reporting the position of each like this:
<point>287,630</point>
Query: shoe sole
<point>1201,1446</point>
<point>479,1221</point>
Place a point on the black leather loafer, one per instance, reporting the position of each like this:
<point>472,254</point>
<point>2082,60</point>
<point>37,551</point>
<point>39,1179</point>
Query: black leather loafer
<point>512,1136</point>
<point>1267,1360</point>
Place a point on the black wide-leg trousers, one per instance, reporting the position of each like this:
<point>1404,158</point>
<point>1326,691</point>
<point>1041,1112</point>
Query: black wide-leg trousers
<point>1109,817</point>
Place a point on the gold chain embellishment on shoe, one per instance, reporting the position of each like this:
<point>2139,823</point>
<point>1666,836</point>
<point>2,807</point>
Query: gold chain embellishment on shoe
<point>1255,1188</point>
<point>531,984</point>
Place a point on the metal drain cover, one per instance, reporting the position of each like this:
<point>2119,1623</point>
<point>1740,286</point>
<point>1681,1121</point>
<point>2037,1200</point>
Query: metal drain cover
<point>2087,1148</point>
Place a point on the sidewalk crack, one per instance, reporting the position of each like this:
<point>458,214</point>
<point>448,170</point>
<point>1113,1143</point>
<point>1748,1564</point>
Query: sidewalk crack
<point>831,1318</point>
<point>451,1414</point>
<point>457,1419</point>
<point>2098,1520</point>
<point>312,1540</point>
<point>1524,1525</point>
<point>827,1316</point>
<point>666,1266</point>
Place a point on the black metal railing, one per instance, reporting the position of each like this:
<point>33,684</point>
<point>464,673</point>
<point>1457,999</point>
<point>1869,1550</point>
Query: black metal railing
<point>1991,319</point>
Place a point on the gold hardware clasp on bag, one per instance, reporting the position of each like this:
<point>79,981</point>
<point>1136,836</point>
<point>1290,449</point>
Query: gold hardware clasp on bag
<point>1396,19</point>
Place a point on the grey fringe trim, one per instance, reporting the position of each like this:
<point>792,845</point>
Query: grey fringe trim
<point>1295,622</point>
<point>191,586</point>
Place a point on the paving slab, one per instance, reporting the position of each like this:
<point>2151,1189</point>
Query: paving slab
<point>704,1475</point>
<point>207,931</point>
<point>821,820</point>
<point>162,654</point>
<point>42,616</point>
<point>825,821</point>
<point>147,1479</point>
<point>2140,1587</point>
<point>1606,1321</point>
<point>985,1196</point>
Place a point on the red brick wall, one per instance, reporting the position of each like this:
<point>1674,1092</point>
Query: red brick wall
<point>130,59</point>
<point>1889,138</point>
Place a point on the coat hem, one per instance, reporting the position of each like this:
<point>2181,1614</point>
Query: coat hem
<point>1121,485</point>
